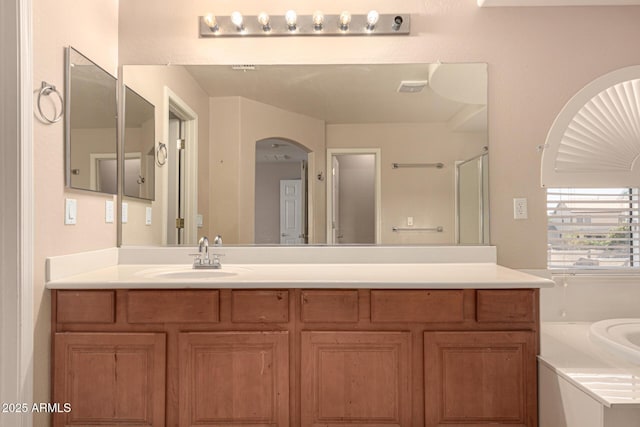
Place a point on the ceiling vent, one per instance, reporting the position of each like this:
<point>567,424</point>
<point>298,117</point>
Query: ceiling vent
<point>412,86</point>
<point>243,67</point>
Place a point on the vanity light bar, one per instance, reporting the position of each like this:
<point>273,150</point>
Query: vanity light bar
<point>318,24</point>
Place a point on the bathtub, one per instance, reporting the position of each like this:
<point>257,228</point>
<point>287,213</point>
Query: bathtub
<point>620,336</point>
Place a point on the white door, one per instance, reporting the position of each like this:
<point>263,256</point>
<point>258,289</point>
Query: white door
<point>291,212</point>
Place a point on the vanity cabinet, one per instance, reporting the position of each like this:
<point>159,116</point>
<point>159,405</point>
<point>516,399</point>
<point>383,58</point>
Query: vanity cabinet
<point>296,357</point>
<point>356,378</point>
<point>234,378</point>
<point>479,378</point>
<point>110,378</point>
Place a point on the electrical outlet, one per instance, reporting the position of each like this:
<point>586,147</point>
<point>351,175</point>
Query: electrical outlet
<point>520,208</point>
<point>148,212</point>
<point>410,221</point>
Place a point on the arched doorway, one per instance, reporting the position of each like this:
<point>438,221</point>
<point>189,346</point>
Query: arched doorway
<point>281,192</point>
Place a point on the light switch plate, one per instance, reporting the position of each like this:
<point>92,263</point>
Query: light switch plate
<point>147,218</point>
<point>108,212</point>
<point>410,221</point>
<point>125,212</point>
<point>199,220</point>
<point>70,211</point>
<point>520,208</point>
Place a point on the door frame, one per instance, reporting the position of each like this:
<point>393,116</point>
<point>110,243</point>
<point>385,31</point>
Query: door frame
<point>16,272</point>
<point>173,103</point>
<point>377,152</point>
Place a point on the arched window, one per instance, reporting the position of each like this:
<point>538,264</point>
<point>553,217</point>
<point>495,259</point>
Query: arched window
<point>591,173</point>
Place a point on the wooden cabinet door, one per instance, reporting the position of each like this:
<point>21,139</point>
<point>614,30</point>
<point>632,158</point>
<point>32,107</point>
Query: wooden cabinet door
<point>234,379</point>
<point>110,379</point>
<point>480,378</point>
<point>356,379</point>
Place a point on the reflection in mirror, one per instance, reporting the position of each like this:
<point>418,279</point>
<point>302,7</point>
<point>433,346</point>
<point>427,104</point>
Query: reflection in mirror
<point>90,125</point>
<point>408,113</point>
<point>473,200</point>
<point>353,181</point>
<point>281,194</point>
<point>139,146</point>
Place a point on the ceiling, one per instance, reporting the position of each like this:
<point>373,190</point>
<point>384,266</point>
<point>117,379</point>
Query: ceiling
<point>343,93</point>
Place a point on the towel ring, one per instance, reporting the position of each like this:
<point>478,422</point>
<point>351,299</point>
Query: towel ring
<point>161,154</point>
<point>47,89</point>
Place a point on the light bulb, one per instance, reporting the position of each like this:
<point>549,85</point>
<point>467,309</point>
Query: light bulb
<point>264,20</point>
<point>291,18</point>
<point>237,20</point>
<point>318,20</point>
<point>344,20</point>
<point>211,22</point>
<point>372,19</point>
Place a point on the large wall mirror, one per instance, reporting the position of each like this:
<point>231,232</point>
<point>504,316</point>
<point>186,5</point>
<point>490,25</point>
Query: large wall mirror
<point>90,125</point>
<point>139,146</point>
<point>317,154</point>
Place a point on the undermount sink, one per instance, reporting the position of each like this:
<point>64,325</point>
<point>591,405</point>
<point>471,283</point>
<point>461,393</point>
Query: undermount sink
<point>188,272</point>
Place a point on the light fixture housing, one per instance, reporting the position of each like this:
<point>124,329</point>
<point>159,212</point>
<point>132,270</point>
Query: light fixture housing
<point>292,24</point>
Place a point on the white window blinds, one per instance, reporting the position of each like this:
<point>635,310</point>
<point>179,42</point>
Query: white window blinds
<point>593,229</point>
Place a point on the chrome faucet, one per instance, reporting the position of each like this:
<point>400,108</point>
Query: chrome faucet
<point>203,260</point>
<point>203,244</point>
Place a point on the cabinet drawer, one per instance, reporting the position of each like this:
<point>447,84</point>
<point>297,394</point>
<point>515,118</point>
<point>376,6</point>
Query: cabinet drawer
<point>329,306</point>
<point>417,306</point>
<point>260,306</point>
<point>86,307</point>
<point>511,305</point>
<point>173,306</point>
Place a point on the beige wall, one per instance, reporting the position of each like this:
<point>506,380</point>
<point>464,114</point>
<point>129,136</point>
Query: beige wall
<point>224,162</point>
<point>149,82</point>
<point>428,195</point>
<point>91,28</point>
<point>538,58</point>
<point>236,125</point>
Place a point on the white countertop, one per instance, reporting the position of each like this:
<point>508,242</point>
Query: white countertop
<point>608,378</point>
<point>324,275</point>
